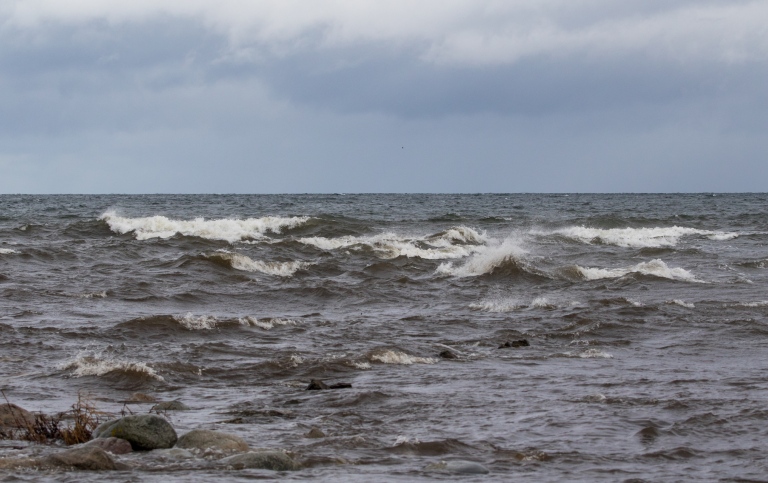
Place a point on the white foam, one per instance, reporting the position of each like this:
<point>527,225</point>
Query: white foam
<point>392,245</point>
<point>396,357</point>
<point>196,322</point>
<point>654,267</point>
<point>683,303</point>
<point>7,251</point>
<point>94,295</point>
<point>636,237</point>
<point>265,324</point>
<point>542,303</point>
<point>231,230</point>
<point>498,305</point>
<point>458,234</point>
<point>238,261</point>
<point>486,259</point>
<point>761,303</point>
<point>590,354</point>
<point>87,363</point>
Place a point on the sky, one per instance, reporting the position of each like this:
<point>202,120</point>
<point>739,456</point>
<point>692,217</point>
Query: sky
<point>329,96</point>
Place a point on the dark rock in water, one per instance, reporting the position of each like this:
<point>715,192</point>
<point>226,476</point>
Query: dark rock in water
<point>515,343</point>
<point>267,460</point>
<point>170,406</point>
<point>206,440</point>
<point>91,458</point>
<point>317,384</point>
<point>13,416</point>
<point>111,445</point>
<point>144,431</point>
<point>459,467</point>
<point>314,433</point>
<point>446,354</point>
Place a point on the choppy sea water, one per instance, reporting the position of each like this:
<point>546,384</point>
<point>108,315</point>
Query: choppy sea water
<point>646,315</point>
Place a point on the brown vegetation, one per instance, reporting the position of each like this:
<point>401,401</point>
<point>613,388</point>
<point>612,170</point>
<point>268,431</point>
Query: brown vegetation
<point>47,429</point>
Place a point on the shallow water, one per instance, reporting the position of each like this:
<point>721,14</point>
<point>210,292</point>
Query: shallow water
<point>645,314</point>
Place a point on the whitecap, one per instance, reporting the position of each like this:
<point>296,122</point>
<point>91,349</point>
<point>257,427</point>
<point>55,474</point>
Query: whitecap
<point>486,259</point>
<point>682,303</point>
<point>266,324</point>
<point>654,267</point>
<point>396,357</point>
<point>497,305</point>
<point>590,354</point>
<point>87,363</point>
<point>7,251</point>
<point>636,237</point>
<point>227,229</point>
<point>196,322</point>
<point>238,261</point>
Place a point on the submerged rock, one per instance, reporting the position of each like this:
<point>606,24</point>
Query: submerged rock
<point>91,458</point>
<point>170,406</point>
<point>459,467</point>
<point>208,440</point>
<point>144,431</point>
<point>446,354</point>
<point>266,460</point>
<point>515,343</point>
<point>314,433</point>
<point>140,397</point>
<point>317,384</point>
<point>112,445</point>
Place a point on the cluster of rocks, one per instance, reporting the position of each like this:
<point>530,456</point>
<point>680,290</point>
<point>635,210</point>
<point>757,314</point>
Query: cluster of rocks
<point>148,432</point>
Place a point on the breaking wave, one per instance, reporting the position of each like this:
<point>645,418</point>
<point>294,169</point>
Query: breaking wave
<point>88,363</point>
<point>656,268</point>
<point>226,229</point>
<point>488,259</point>
<point>397,357</point>
<point>7,251</point>
<point>242,262</point>
<point>636,237</point>
<point>266,324</point>
<point>457,242</point>
<point>196,322</point>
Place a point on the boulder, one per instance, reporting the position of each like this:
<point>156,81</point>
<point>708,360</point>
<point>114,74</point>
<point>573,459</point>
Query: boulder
<point>206,440</point>
<point>144,431</point>
<point>317,384</point>
<point>170,406</point>
<point>515,343</point>
<point>13,416</point>
<point>266,460</point>
<point>111,445</point>
<point>315,433</point>
<point>91,458</point>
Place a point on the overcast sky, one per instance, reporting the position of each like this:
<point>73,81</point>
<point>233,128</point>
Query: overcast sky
<point>293,96</point>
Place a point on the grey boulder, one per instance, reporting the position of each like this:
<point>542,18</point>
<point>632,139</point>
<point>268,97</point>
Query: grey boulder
<point>206,440</point>
<point>266,460</point>
<point>144,431</point>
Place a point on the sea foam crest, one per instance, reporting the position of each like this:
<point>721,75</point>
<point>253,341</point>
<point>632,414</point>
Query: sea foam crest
<point>227,229</point>
<point>486,259</point>
<point>458,242</point>
<point>655,268</point>
<point>87,363</point>
<point>7,251</point>
<point>397,357</point>
<point>196,322</point>
<point>636,237</point>
<point>238,261</point>
<point>265,324</point>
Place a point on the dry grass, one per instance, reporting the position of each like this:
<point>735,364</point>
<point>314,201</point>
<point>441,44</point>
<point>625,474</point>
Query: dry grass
<point>48,429</point>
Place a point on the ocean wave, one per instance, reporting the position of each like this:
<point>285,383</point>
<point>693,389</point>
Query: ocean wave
<point>590,354</point>
<point>226,229</point>
<point>196,322</point>
<point>656,268</point>
<point>88,363</point>
<point>397,357</point>
<point>505,304</point>
<point>488,259</point>
<point>239,261</point>
<point>457,242</point>
<point>265,324</point>
<point>636,237</point>
<point>682,303</point>
<point>8,251</point>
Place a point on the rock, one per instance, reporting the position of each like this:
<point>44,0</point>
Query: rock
<point>315,433</point>
<point>13,416</point>
<point>139,397</point>
<point>144,431</point>
<point>459,467</point>
<point>317,384</point>
<point>112,445</point>
<point>267,460</point>
<point>13,463</point>
<point>91,458</point>
<point>170,406</point>
<point>206,440</point>
<point>515,343</point>
<point>446,354</point>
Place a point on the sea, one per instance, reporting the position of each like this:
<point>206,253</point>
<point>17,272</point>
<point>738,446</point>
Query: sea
<point>543,337</point>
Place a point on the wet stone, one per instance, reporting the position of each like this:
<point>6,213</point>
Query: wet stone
<point>13,416</point>
<point>112,445</point>
<point>145,431</point>
<point>267,460</point>
<point>170,406</point>
<point>317,385</point>
<point>206,440</point>
<point>314,433</point>
<point>515,343</point>
<point>91,458</point>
